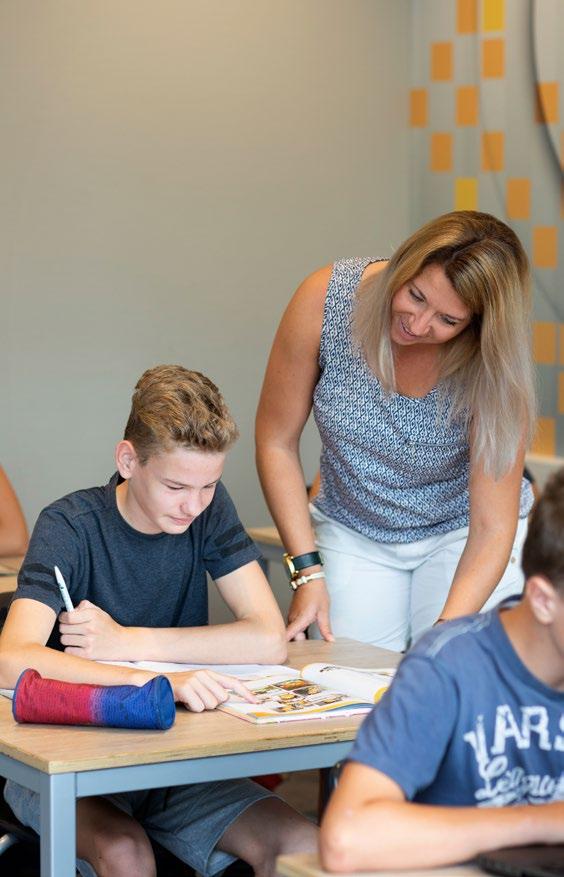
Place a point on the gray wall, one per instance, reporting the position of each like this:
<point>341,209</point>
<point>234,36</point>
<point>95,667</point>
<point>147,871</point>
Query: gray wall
<point>171,171</point>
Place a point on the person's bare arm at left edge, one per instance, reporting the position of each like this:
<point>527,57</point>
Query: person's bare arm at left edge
<point>257,633</point>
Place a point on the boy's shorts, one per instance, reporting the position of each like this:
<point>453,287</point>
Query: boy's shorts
<point>187,820</point>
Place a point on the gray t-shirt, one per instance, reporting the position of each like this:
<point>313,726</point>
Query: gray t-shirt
<point>139,579</point>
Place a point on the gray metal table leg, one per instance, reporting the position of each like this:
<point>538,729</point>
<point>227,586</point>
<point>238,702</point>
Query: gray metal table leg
<point>58,825</point>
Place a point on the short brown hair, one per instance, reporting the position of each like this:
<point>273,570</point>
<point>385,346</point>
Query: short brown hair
<point>172,406</point>
<point>543,551</point>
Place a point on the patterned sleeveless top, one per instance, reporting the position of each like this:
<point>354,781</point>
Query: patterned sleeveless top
<point>393,468</point>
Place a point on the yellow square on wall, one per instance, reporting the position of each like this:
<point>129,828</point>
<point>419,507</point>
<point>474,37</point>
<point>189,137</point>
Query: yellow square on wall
<point>545,246</point>
<point>467,16</point>
<point>441,62</point>
<point>518,198</point>
<point>493,59</point>
<point>467,105</point>
<point>441,152</point>
<point>493,17</point>
<point>418,107</point>
<point>492,150</point>
<point>544,441</point>
<point>546,108</point>
<point>466,193</point>
<point>544,343</point>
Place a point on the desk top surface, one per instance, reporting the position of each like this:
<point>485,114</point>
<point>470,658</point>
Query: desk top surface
<point>307,865</point>
<point>266,535</point>
<point>8,584</point>
<point>11,564</point>
<point>9,568</point>
<point>60,749</point>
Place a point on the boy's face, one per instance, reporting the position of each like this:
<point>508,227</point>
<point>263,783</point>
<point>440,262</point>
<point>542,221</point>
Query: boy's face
<point>169,491</point>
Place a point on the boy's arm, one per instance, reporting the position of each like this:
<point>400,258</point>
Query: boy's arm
<point>257,634</point>
<point>13,528</point>
<point>22,645</point>
<point>369,825</point>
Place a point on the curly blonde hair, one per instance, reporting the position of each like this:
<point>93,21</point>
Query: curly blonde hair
<point>172,406</point>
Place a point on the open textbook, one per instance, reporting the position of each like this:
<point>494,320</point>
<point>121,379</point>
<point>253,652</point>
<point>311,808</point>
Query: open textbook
<point>317,691</point>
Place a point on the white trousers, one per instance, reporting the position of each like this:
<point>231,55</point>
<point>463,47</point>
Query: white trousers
<point>388,594</point>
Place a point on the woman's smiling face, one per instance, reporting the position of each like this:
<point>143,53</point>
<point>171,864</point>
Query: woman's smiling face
<point>427,310</point>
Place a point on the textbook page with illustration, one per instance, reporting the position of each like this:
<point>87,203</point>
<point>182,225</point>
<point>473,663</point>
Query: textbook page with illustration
<point>317,691</point>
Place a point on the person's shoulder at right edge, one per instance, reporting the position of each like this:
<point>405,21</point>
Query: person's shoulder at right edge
<point>60,538</point>
<point>226,544</point>
<point>407,734</point>
<point>452,640</point>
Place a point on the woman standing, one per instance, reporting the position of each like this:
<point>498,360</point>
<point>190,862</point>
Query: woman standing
<point>419,373</point>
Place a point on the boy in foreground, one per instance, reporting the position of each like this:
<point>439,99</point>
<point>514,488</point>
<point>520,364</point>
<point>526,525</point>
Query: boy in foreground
<point>470,734</point>
<point>134,555</point>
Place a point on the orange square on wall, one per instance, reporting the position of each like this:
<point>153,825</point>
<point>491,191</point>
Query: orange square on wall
<point>467,105</point>
<point>467,16</point>
<point>492,150</point>
<point>493,59</point>
<point>441,152</point>
<point>493,17</point>
<point>544,441</point>
<point>546,108</point>
<point>518,198</point>
<point>466,193</point>
<point>441,62</point>
<point>544,343</point>
<point>418,107</point>
<point>545,246</point>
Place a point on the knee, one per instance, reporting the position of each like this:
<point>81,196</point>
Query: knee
<point>124,853</point>
<point>290,832</point>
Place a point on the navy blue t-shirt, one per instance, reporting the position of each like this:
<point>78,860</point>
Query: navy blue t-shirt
<point>140,579</point>
<point>465,723</point>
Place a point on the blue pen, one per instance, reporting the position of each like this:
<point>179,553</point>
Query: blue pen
<point>64,590</point>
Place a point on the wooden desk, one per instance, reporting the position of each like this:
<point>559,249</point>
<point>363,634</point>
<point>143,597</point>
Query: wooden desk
<point>64,764</point>
<point>307,865</point>
<point>8,585</point>
<point>11,565</point>
<point>269,542</point>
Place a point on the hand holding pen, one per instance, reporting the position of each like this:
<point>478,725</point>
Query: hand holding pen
<point>64,590</point>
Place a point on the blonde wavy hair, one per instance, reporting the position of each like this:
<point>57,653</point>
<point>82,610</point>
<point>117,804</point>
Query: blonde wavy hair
<point>174,407</point>
<point>487,370</point>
